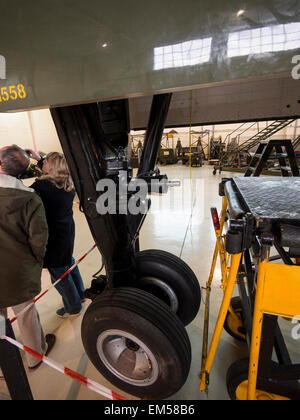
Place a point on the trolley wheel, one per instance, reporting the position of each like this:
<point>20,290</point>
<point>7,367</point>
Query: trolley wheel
<point>237,383</point>
<point>235,327</point>
<point>170,279</point>
<point>137,343</point>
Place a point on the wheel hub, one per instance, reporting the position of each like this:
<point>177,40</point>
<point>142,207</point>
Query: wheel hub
<point>127,357</point>
<point>132,345</point>
<point>164,291</point>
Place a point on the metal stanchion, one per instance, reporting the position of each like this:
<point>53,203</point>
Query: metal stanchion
<point>13,369</point>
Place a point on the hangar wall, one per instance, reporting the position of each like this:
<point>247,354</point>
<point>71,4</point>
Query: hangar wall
<point>33,130</point>
<point>36,130</point>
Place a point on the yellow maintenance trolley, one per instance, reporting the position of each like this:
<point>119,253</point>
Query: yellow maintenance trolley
<point>262,215</point>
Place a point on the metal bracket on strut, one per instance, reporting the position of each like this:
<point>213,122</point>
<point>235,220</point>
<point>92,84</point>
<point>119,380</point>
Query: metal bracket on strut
<point>158,183</point>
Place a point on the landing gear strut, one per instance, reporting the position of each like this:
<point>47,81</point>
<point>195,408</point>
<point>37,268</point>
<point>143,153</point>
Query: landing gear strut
<point>133,332</point>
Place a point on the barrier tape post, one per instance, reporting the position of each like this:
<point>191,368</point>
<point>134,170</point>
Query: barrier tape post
<point>12,366</point>
<point>83,380</point>
<point>54,284</point>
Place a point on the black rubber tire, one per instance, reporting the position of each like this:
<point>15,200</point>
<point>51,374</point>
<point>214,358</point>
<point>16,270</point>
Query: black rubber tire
<point>236,305</point>
<point>236,375</point>
<point>142,315</point>
<point>176,274</point>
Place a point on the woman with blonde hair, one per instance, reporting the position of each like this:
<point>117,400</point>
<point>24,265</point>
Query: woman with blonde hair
<point>56,190</point>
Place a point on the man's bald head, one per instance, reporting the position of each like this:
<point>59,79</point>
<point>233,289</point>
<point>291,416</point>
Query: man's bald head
<point>13,161</point>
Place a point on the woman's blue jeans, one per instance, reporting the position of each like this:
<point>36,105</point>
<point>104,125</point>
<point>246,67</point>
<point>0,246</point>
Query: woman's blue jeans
<point>71,288</point>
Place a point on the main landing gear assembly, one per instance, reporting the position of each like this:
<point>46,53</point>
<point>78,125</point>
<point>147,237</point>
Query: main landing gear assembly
<point>134,330</point>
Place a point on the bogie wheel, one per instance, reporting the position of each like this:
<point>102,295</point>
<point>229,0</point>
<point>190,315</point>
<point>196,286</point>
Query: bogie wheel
<point>170,279</point>
<point>137,343</point>
<point>237,384</point>
<point>234,325</point>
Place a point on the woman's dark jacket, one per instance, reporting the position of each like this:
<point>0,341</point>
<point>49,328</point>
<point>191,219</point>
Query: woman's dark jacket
<point>59,212</point>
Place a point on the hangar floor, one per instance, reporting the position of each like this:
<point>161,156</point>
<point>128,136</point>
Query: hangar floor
<point>179,223</point>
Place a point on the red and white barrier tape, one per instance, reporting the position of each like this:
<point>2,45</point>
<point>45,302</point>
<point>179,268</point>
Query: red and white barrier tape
<point>83,380</point>
<point>54,284</point>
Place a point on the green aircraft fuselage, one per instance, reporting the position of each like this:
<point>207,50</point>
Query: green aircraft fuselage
<point>63,52</point>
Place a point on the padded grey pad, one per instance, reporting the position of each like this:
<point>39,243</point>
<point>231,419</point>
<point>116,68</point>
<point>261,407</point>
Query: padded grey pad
<point>270,198</point>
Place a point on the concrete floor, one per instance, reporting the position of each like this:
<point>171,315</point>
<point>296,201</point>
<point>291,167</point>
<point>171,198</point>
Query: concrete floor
<point>179,223</point>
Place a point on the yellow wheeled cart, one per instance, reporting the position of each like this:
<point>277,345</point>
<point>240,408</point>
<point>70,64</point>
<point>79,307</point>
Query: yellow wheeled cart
<point>264,215</point>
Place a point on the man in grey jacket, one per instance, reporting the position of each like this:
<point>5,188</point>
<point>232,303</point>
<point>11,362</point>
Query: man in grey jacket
<point>23,240</point>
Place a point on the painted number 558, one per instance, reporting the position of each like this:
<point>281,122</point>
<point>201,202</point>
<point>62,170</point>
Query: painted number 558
<point>12,92</point>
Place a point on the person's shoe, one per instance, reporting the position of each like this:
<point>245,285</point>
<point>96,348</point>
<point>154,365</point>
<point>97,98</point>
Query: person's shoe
<point>50,340</point>
<point>63,314</point>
